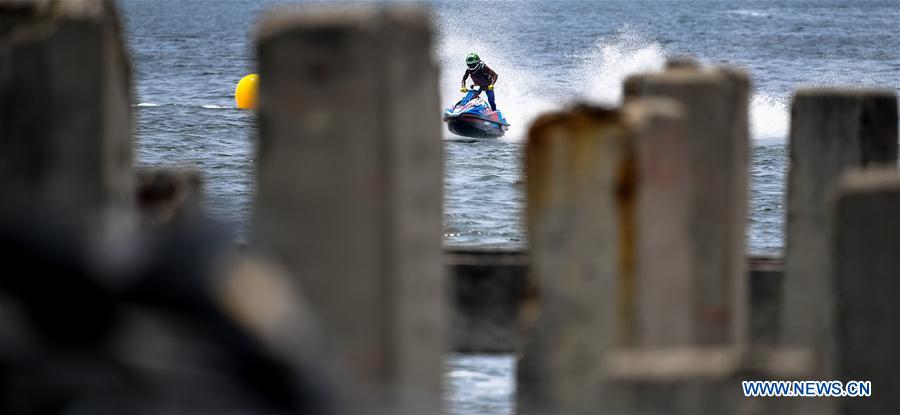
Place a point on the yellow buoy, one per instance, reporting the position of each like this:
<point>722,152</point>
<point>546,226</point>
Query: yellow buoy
<point>245,93</point>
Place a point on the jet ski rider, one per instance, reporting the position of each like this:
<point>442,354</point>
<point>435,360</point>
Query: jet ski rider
<point>481,76</point>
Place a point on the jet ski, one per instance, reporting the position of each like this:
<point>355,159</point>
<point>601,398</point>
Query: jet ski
<point>472,117</point>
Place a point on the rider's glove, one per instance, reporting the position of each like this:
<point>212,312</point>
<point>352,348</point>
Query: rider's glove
<point>491,87</point>
<point>463,89</point>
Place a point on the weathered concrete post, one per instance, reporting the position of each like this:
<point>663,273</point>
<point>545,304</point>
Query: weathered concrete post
<point>594,179</point>
<point>715,102</point>
<point>832,130</point>
<point>663,309</point>
<point>866,246</point>
<point>349,186</point>
<point>575,163</point>
<point>65,117</point>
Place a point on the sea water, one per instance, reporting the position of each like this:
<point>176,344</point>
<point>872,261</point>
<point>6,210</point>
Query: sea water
<point>188,57</point>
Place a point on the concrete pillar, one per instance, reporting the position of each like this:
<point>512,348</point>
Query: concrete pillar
<point>575,163</point>
<point>715,103</point>
<point>596,227</point>
<point>349,170</point>
<point>663,289</point>
<point>866,247</point>
<point>65,108</point>
<point>832,130</point>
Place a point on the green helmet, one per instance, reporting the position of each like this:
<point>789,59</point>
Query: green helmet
<point>473,61</point>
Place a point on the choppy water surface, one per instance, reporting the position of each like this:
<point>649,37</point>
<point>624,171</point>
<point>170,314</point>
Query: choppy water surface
<point>479,384</point>
<point>188,57</point>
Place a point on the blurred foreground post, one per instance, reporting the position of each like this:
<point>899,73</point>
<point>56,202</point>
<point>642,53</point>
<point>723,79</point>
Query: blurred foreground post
<point>349,186</point>
<point>866,247</point>
<point>832,130</point>
<point>575,163</point>
<point>607,220</point>
<point>715,103</point>
<point>65,117</point>
<point>663,311</point>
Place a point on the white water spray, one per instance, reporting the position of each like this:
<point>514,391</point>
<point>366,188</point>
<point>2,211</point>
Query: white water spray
<point>594,75</point>
<point>769,118</point>
<point>605,66</point>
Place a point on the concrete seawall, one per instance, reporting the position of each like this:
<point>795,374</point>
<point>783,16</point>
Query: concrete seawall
<point>487,289</point>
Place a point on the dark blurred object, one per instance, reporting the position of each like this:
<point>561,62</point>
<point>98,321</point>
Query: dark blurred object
<point>766,274</point>
<point>487,288</point>
<point>155,337</point>
<point>169,195</point>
